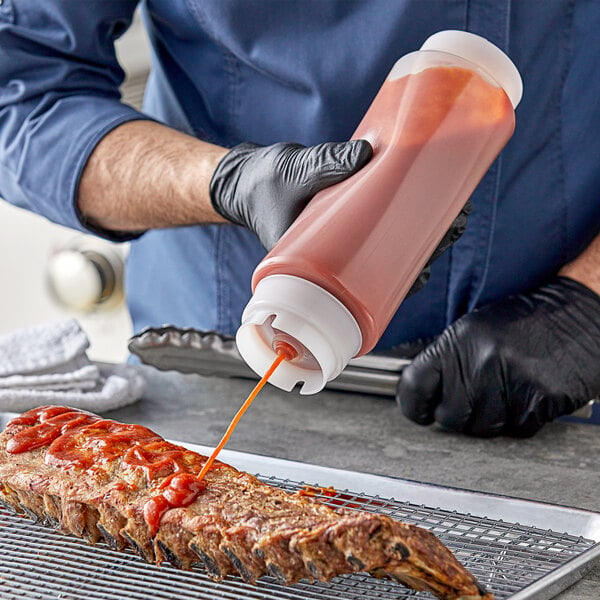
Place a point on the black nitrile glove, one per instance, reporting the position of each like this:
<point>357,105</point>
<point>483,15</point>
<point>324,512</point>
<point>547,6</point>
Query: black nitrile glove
<point>264,188</point>
<point>456,230</point>
<point>511,366</point>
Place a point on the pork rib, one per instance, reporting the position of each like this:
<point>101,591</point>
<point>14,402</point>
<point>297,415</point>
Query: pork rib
<point>99,479</point>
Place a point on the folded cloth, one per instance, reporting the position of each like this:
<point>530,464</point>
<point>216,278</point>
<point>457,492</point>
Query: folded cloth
<point>48,364</point>
<point>47,348</point>
<point>84,378</point>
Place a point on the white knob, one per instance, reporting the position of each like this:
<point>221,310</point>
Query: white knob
<point>84,279</point>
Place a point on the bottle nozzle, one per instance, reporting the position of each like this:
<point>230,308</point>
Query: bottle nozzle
<point>285,349</point>
<point>313,330</point>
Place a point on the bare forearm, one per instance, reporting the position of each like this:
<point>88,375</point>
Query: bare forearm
<point>144,175</point>
<point>586,267</point>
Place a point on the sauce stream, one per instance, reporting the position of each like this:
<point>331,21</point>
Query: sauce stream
<point>284,352</point>
<point>180,490</point>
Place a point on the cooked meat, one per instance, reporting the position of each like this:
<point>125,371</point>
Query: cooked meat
<point>99,479</point>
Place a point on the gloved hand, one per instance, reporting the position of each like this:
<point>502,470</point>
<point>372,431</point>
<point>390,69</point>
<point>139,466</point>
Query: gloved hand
<point>509,367</point>
<point>264,188</point>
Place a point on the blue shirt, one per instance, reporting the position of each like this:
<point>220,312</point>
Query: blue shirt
<point>306,71</point>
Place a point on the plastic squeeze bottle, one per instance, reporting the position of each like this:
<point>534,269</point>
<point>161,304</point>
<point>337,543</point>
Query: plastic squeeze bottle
<point>333,282</point>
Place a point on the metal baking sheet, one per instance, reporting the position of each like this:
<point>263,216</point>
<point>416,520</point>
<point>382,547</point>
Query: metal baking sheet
<point>504,541</point>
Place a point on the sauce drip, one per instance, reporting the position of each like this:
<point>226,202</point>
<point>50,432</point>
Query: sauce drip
<point>177,491</point>
<point>335,498</point>
<point>75,439</point>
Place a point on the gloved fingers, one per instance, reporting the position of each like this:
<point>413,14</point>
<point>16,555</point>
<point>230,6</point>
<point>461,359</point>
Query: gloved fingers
<point>455,408</point>
<point>484,378</point>
<point>420,387</point>
<point>477,408</point>
<point>438,386</point>
<point>265,188</point>
<point>420,282</point>
<point>538,408</point>
<point>488,415</point>
<point>454,233</point>
<point>531,417</point>
<point>453,412</point>
<point>317,167</point>
<point>456,230</point>
<point>301,173</point>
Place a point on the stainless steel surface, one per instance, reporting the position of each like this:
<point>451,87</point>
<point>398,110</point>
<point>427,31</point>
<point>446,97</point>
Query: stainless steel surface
<point>208,353</point>
<point>505,542</point>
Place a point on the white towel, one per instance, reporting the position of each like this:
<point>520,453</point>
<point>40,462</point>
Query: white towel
<point>48,364</point>
<point>46,348</point>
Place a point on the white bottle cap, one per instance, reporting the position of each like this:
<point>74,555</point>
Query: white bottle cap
<point>484,54</point>
<point>319,327</point>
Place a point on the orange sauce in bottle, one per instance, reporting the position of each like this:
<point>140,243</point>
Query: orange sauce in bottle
<point>365,240</point>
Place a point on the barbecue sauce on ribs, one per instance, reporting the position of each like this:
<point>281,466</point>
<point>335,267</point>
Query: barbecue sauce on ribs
<point>76,439</point>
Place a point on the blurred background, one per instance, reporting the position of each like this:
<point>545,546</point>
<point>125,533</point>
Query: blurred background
<point>49,272</point>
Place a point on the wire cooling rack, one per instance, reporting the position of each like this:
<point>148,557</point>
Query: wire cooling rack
<point>515,560</point>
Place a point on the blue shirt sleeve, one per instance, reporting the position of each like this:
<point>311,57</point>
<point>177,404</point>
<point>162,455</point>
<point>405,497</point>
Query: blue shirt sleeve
<point>59,95</point>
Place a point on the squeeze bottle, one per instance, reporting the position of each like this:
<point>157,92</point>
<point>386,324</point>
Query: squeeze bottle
<point>333,282</point>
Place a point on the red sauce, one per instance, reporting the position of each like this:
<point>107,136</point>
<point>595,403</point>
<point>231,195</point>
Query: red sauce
<point>338,498</point>
<point>84,441</point>
<point>92,446</point>
<point>39,415</point>
<point>284,352</point>
<point>159,459</point>
<point>75,439</point>
<point>50,426</point>
<point>178,490</point>
<point>310,490</point>
<point>154,510</point>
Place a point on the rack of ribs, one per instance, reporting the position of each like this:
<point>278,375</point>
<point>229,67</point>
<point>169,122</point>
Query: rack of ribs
<point>100,479</point>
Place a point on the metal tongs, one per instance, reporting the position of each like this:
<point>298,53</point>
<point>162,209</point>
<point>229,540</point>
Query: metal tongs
<point>213,354</point>
<point>209,353</point>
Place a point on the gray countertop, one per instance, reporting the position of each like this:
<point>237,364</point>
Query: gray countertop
<point>368,433</point>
